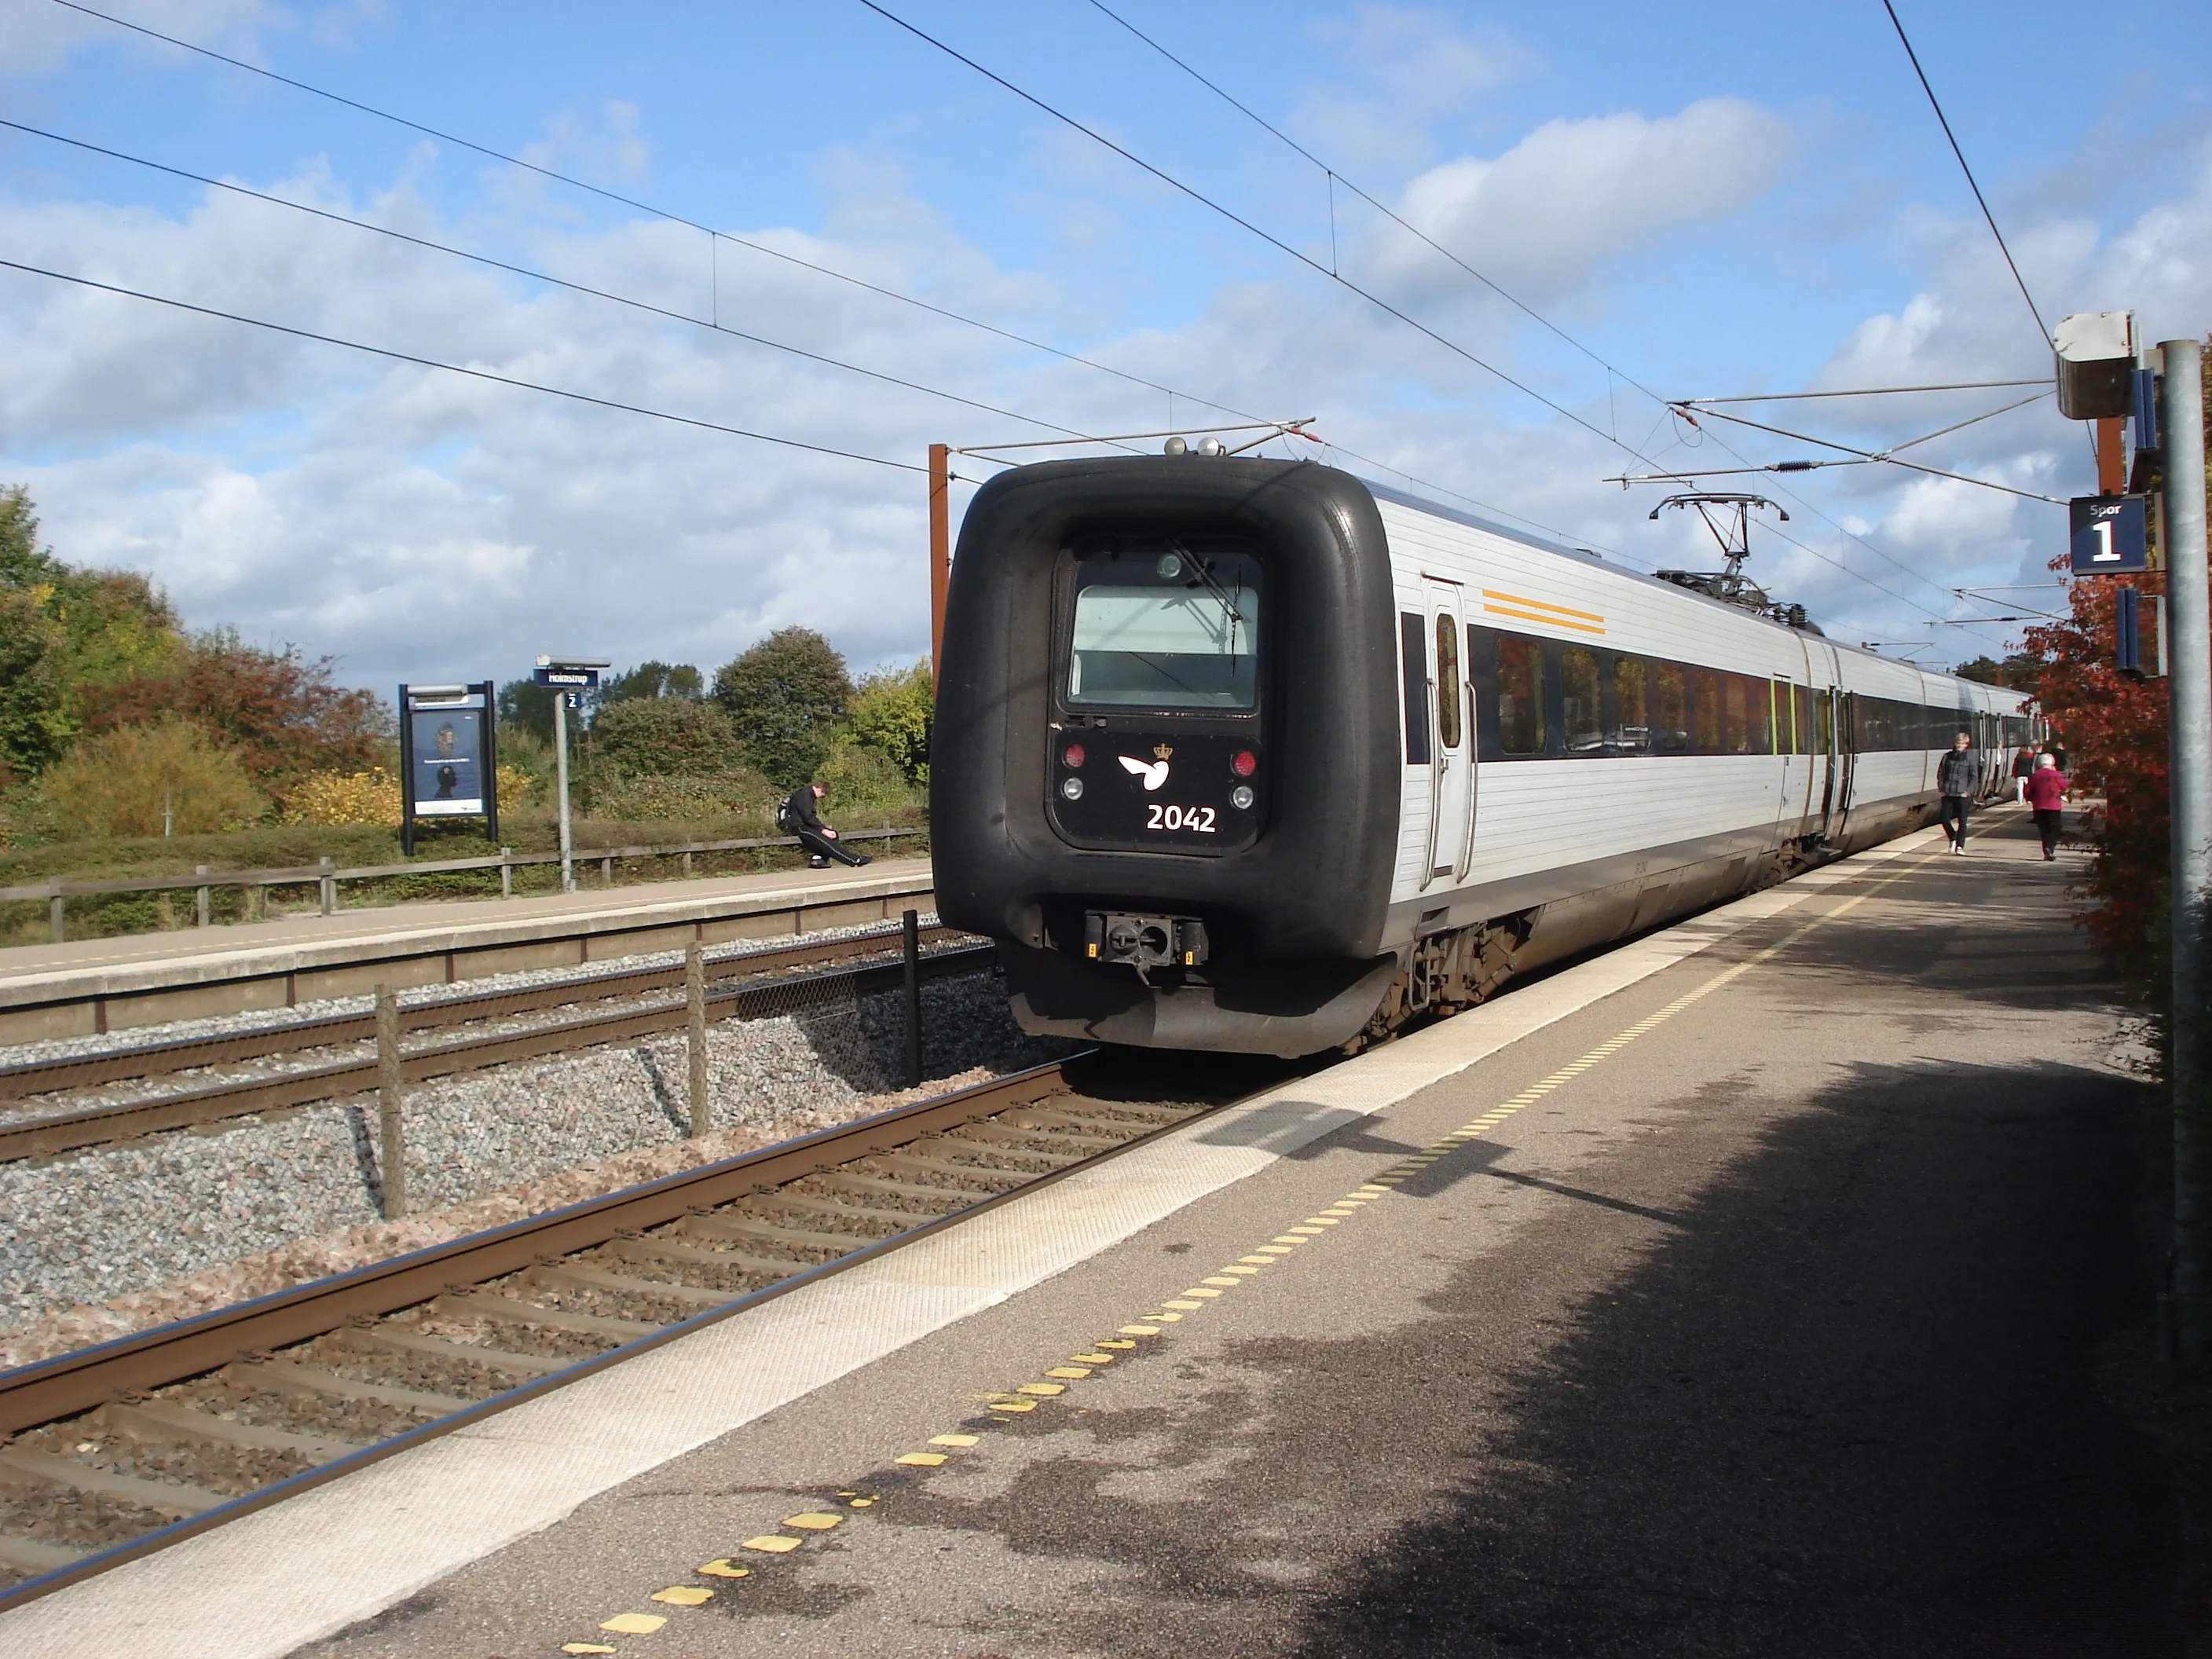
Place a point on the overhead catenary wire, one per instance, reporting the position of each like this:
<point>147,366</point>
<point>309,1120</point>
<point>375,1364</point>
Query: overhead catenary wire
<point>546,277</point>
<point>1857,391</point>
<point>668,214</point>
<point>1314,265</point>
<point>1980,200</point>
<point>1612,370</point>
<point>459,368</point>
<point>1008,335</point>
<point>1890,456</point>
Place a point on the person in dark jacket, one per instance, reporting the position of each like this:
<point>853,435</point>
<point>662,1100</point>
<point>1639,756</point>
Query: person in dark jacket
<point>1957,776</point>
<point>2023,769</point>
<point>2046,795</point>
<point>819,839</point>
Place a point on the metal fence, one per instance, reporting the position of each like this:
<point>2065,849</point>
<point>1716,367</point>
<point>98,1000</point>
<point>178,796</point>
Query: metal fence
<point>326,877</point>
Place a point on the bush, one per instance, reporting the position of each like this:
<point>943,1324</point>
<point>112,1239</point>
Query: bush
<point>120,782</point>
<point>788,695</point>
<point>665,737</point>
<point>863,783</point>
<point>370,797</point>
<point>659,798</point>
<point>893,712</point>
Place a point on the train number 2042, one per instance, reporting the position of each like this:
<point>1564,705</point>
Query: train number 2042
<point>1164,817</point>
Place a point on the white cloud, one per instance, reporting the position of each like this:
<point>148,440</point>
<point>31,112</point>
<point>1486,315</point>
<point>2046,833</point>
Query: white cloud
<point>41,36</point>
<point>1541,217</point>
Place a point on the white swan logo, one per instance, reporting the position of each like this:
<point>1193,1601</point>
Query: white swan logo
<point>1154,772</point>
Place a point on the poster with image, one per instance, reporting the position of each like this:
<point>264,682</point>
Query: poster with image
<point>446,757</point>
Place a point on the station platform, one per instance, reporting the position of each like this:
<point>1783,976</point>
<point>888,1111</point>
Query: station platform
<point>89,986</point>
<point>1737,1291</point>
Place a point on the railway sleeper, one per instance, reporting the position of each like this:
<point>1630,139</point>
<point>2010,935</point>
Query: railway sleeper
<point>494,1307</point>
<point>282,1376</point>
<point>948,1198</point>
<point>984,1179</point>
<point>573,1276</point>
<point>1021,1143</point>
<point>370,1339</point>
<point>1118,1131</point>
<point>162,1422</point>
<point>29,1557</point>
<point>845,1215</point>
<point>19,1465</point>
<point>740,1230</point>
<point>662,1252</point>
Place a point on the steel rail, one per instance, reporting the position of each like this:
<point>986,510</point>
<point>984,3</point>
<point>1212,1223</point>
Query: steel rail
<point>192,1053</point>
<point>69,1384</point>
<point>67,1132</point>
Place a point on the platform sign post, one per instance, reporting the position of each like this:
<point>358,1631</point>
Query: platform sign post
<point>2109,535</point>
<point>2189,657</point>
<point>570,678</point>
<point>448,756</point>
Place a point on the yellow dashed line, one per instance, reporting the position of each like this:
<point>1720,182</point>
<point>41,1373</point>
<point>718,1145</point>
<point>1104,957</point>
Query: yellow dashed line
<point>1026,1395</point>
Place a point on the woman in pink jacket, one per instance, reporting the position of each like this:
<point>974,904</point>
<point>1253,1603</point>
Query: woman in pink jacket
<point>2046,795</point>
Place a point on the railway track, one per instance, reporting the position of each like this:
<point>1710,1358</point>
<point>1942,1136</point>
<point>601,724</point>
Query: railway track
<point>116,1450</point>
<point>762,986</point>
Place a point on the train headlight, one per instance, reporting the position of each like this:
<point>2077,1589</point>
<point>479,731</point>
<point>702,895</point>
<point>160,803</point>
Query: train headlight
<point>1072,787</point>
<point>1170,567</point>
<point>1241,797</point>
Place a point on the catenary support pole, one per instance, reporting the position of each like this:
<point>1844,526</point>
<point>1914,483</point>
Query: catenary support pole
<point>912,924</point>
<point>391,1143</point>
<point>561,781</point>
<point>2189,615</point>
<point>941,547</point>
<point>694,1026</point>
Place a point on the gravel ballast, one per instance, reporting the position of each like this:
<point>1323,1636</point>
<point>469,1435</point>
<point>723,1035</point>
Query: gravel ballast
<point>89,1227</point>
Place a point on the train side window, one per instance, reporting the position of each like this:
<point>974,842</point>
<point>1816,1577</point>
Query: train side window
<point>1705,705</point>
<point>1520,697</point>
<point>1449,696</point>
<point>1803,701</point>
<point>1734,715</point>
<point>1670,710</point>
<point>1414,650</point>
<point>1758,711</point>
<point>1581,720</point>
<point>1785,723</point>
<point>1632,707</point>
<point>1823,723</point>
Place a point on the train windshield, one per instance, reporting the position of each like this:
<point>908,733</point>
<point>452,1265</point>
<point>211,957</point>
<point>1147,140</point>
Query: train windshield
<point>1165,627</point>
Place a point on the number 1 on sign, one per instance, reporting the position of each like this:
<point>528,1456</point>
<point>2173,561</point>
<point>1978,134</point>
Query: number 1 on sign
<point>2104,555</point>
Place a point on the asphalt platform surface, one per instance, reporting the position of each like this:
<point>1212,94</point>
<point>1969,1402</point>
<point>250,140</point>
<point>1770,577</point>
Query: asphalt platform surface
<point>1768,1328</point>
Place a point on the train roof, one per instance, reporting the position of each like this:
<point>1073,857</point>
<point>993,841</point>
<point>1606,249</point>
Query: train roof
<point>1546,545</point>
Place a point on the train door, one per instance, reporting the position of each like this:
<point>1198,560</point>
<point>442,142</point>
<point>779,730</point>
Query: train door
<point>1843,758</point>
<point>1793,723</point>
<point>1451,780</point>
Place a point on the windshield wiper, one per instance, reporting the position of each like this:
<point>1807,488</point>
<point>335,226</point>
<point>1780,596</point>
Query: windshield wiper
<point>1213,586</point>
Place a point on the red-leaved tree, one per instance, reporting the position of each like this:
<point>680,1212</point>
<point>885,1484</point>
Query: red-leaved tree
<point>281,712</point>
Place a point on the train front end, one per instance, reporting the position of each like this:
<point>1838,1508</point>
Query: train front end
<point>1165,773</point>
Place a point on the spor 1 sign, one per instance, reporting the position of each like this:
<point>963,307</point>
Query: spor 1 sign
<point>2108,535</point>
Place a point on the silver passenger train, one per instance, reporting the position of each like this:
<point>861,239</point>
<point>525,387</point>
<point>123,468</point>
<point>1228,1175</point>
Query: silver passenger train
<point>1255,756</point>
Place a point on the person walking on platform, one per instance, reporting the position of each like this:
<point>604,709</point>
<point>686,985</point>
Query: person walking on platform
<point>1956,779</point>
<point>798,816</point>
<point>2046,798</point>
<point>2023,769</point>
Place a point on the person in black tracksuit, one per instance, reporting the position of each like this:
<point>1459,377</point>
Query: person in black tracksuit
<point>819,839</point>
<point>1957,776</point>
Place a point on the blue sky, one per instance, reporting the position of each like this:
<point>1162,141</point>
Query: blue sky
<point>1715,200</point>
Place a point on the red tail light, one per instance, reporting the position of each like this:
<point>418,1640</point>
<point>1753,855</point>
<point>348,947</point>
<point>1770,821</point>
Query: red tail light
<point>1072,753</point>
<point>1245,764</point>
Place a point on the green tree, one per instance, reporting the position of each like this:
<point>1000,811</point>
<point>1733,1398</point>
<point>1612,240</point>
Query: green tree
<point>2019,670</point>
<point>667,737</point>
<point>66,637</point>
<point>893,712</point>
<point>123,782</point>
<point>652,679</point>
<point>788,696</point>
